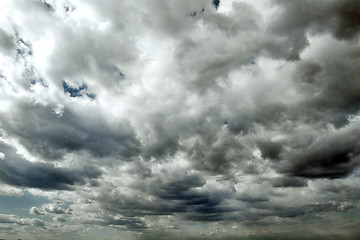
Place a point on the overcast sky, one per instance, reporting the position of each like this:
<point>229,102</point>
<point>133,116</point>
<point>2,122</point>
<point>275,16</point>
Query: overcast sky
<point>179,119</point>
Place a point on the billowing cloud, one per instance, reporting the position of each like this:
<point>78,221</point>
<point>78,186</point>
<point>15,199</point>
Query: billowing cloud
<point>195,120</point>
<point>49,209</point>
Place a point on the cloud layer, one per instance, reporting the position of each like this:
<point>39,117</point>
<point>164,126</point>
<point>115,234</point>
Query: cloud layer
<point>190,119</point>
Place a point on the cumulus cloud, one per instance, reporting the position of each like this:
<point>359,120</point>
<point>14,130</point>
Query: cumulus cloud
<point>49,209</point>
<point>196,120</point>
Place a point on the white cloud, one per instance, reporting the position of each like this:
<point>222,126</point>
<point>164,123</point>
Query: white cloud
<point>6,190</point>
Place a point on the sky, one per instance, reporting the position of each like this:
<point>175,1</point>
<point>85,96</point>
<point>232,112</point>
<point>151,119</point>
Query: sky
<point>180,119</point>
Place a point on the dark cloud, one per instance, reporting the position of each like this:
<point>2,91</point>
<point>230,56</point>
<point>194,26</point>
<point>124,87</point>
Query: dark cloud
<point>330,86</point>
<point>297,19</point>
<point>69,133</point>
<point>349,15</point>
<point>332,155</point>
<point>270,149</point>
<point>219,156</point>
<point>288,182</point>
<point>196,205</point>
<point>340,18</point>
<point>17,171</point>
<point>337,163</point>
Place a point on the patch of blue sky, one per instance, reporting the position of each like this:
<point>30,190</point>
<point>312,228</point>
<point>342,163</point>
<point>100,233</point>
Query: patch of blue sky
<point>77,91</point>
<point>20,205</point>
<point>216,3</point>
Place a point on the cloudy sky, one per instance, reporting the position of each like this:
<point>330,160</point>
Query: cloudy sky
<point>179,119</point>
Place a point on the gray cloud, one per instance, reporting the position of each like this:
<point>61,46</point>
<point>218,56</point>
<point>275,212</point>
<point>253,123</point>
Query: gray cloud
<point>288,182</point>
<point>7,42</point>
<point>17,171</point>
<point>69,133</point>
<point>7,218</point>
<point>312,156</point>
<point>340,18</point>
<point>195,120</point>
